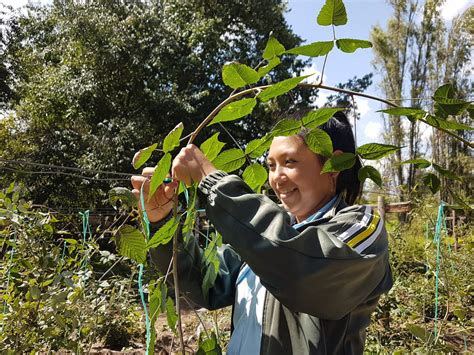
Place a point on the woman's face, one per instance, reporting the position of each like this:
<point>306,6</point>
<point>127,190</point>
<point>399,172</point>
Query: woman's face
<point>295,176</point>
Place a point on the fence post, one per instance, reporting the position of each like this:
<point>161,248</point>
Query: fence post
<point>381,206</point>
<point>453,216</point>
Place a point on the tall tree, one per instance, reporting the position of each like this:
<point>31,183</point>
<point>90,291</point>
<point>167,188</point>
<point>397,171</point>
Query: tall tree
<point>94,82</point>
<point>409,55</point>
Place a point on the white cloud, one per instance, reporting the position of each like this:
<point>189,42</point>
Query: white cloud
<point>315,74</point>
<point>452,8</point>
<point>363,106</point>
<point>373,130</point>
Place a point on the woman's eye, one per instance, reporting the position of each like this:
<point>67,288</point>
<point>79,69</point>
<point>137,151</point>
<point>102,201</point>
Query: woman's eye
<point>270,165</point>
<point>290,161</point>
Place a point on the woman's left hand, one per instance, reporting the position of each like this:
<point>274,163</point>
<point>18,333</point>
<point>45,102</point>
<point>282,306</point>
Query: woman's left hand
<point>191,165</point>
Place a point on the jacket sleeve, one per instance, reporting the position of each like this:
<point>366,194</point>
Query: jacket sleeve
<point>191,271</point>
<point>311,271</point>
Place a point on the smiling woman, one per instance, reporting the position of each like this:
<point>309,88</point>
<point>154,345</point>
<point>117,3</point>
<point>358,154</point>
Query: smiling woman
<point>303,279</point>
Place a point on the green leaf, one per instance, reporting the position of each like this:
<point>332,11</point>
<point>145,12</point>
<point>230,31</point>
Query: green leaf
<point>143,155</point>
<point>432,182</point>
<point>404,111</point>
<point>319,117</point>
<point>369,172</point>
<point>349,45</point>
<point>444,172</point>
<point>237,75</point>
<point>271,64</point>
<point>235,110</point>
<point>161,171</point>
<point>172,139</point>
<point>257,147</point>
<point>209,346</point>
<point>229,160</point>
<point>123,194</point>
<point>464,205</point>
<point>373,151</point>
<point>286,127</point>
<point>212,147</point>
<point>418,332</point>
<point>332,13</point>
<point>444,91</point>
<point>171,315</point>
<point>164,235</point>
<point>255,176</point>
<point>418,163</point>
<point>273,49</point>
<point>339,162</point>
<point>280,88</point>
<point>35,292</point>
<point>319,142</point>
<point>131,243</point>
<point>315,49</point>
<point>211,263</point>
<point>437,122</point>
<point>154,301</point>
<point>452,106</point>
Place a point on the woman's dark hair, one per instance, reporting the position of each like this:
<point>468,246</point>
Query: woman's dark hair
<point>340,131</point>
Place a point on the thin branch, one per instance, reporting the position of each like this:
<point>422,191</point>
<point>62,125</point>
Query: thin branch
<point>235,141</point>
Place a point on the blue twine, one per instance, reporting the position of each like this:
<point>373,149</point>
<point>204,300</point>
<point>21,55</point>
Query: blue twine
<point>437,240</point>
<point>146,224</point>
<point>85,229</point>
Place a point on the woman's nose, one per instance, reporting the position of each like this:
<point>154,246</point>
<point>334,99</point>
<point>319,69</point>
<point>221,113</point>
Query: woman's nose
<point>280,175</point>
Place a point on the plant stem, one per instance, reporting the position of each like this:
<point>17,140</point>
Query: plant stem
<point>175,274</point>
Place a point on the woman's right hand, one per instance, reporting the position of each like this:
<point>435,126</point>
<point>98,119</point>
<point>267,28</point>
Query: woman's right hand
<point>161,203</point>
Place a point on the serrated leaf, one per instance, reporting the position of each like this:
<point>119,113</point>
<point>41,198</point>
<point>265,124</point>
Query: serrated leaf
<point>369,172</point>
<point>373,151</point>
<point>123,194</point>
<point>418,163</point>
<point>333,12</point>
<point>286,127</point>
<point>255,176</point>
<point>280,88</point>
<point>271,64</point>
<point>339,162</point>
<point>257,147</point>
<point>161,171</point>
<point>131,243</point>
<point>319,117</point>
<point>273,49</point>
<point>229,160</point>
<point>404,111</point>
<point>451,106</point>
<point>237,75</point>
<point>211,263</point>
<point>350,45</point>
<point>319,142</point>
<point>444,91</point>
<point>212,147</point>
<point>432,182</point>
<point>171,315</point>
<point>172,139</point>
<point>460,201</point>
<point>437,122</point>
<point>315,49</point>
<point>142,156</point>
<point>209,346</point>
<point>155,299</point>
<point>235,110</point>
<point>445,172</point>
<point>164,235</point>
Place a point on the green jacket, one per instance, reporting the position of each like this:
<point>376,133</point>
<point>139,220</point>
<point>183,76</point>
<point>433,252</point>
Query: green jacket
<point>321,291</point>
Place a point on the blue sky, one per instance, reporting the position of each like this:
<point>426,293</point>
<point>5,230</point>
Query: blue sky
<point>362,15</point>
